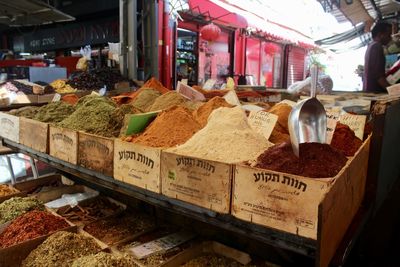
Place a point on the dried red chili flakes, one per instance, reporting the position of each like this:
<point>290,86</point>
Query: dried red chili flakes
<point>31,225</point>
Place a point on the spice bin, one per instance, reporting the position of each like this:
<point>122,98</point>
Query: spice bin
<point>9,127</point>
<point>64,144</point>
<point>34,134</point>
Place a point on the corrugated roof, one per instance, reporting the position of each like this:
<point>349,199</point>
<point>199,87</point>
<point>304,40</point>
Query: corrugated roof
<point>29,12</point>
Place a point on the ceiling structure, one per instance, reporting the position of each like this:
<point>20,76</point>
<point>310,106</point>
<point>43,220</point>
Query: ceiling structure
<point>18,13</point>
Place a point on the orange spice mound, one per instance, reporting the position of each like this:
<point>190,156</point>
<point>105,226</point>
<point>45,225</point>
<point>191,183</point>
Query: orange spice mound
<point>172,127</point>
<point>153,83</point>
<point>280,134</point>
<point>345,140</point>
<point>70,99</point>
<point>203,112</point>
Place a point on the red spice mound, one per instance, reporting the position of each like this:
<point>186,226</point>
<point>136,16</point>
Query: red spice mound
<point>29,226</point>
<point>345,140</point>
<point>315,161</point>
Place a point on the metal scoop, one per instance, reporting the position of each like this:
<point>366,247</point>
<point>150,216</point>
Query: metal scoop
<point>307,120</point>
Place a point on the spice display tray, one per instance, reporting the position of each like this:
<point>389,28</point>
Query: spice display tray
<point>205,183</point>
<point>319,209</point>
<point>208,247</point>
<point>9,127</point>
<point>137,165</point>
<point>96,153</point>
<point>13,256</point>
<point>86,202</point>
<point>63,144</point>
<point>34,134</point>
<point>29,186</point>
<point>26,99</point>
<point>16,194</point>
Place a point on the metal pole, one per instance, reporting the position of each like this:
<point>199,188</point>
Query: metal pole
<point>132,38</point>
<point>150,30</point>
<point>123,37</point>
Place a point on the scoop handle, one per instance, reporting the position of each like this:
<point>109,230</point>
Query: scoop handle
<point>314,77</point>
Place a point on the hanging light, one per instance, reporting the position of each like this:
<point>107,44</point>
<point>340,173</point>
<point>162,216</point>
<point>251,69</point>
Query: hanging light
<point>210,32</point>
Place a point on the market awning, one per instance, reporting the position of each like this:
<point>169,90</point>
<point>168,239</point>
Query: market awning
<point>222,11</point>
<point>29,13</point>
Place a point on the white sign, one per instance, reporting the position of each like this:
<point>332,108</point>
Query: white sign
<point>209,84</point>
<point>262,122</point>
<point>232,98</point>
<point>332,117</point>
<point>189,92</point>
<point>355,122</point>
<point>288,102</point>
<point>162,244</point>
<point>56,98</point>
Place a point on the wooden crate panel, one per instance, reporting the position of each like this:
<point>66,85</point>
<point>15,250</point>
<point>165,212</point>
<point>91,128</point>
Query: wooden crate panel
<point>340,205</point>
<point>96,153</point>
<point>281,201</point>
<point>9,127</point>
<point>137,165</point>
<point>198,181</point>
<point>34,134</point>
<point>64,144</point>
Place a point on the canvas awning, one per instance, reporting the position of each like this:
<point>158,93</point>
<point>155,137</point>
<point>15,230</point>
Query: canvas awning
<point>17,13</point>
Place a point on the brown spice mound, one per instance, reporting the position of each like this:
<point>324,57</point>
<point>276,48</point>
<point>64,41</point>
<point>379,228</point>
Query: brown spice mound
<point>29,226</point>
<point>168,100</point>
<point>212,260</point>
<point>280,134</point>
<point>203,112</point>
<point>172,127</point>
<point>345,140</point>
<point>6,190</point>
<point>315,161</point>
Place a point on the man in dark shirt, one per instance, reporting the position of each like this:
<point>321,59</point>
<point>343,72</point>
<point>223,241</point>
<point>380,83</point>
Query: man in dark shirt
<point>374,71</point>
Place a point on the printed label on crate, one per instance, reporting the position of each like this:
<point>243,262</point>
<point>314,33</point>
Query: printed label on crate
<point>162,244</point>
<point>96,153</point>
<point>332,118</point>
<point>281,201</point>
<point>9,127</point>
<point>355,122</point>
<point>262,122</point>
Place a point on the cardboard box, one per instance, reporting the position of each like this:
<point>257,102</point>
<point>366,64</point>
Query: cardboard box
<point>198,181</point>
<point>137,165</point>
<point>96,153</point>
<point>34,134</point>
<point>319,209</point>
<point>64,144</point>
<point>9,127</point>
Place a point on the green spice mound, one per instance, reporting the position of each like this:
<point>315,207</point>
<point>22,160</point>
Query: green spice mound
<point>118,116</point>
<point>61,249</point>
<point>27,112</point>
<point>16,206</point>
<point>103,259</point>
<point>54,112</point>
<point>93,115</point>
<point>145,98</point>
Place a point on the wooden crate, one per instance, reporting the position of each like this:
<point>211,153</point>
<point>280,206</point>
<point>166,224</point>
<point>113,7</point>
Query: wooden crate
<point>64,144</point>
<point>14,255</point>
<point>208,247</point>
<point>25,99</point>
<point>137,165</point>
<point>319,209</point>
<point>9,127</point>
<point>29,186</point>
<point>96,153</point>
<point>198,181</point>
<point>34,134</point>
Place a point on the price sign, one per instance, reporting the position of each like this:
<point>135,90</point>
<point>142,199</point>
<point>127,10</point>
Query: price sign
<point>209,84</point>
<point>355,122</point>
<point>189,92</point>
<point>262,122</point>
<point>232,98</point>
<point>56,98</point>
<point>332,117</point>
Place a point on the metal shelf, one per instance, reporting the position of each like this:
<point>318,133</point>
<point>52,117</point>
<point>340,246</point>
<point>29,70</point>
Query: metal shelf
<point>297,244</point>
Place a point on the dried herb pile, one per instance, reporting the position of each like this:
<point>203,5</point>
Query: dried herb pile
<point>103,259</point>
<point>145,99</point>
<point>16,206</point>
<point>54,112</point>
<point>29,226</point>
<point>212,260</point>
<point>61,249</point>
<point>27,112</point>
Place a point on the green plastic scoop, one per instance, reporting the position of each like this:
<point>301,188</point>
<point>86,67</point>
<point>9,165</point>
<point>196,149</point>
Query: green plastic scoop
<point>138,122</point>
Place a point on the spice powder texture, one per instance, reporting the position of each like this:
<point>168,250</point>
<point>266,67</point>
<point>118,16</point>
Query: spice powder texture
<point>227,137</point>
<point>280,133</point>
<point>29,226</point>
<point>61,249</point>
<point>103,259</point>
<point>345,140</point>
<point>172,127</point>
<point>16,206</point>
<point>203,112</point>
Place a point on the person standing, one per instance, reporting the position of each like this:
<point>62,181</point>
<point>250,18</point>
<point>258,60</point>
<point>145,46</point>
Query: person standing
<point>374,71</point>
